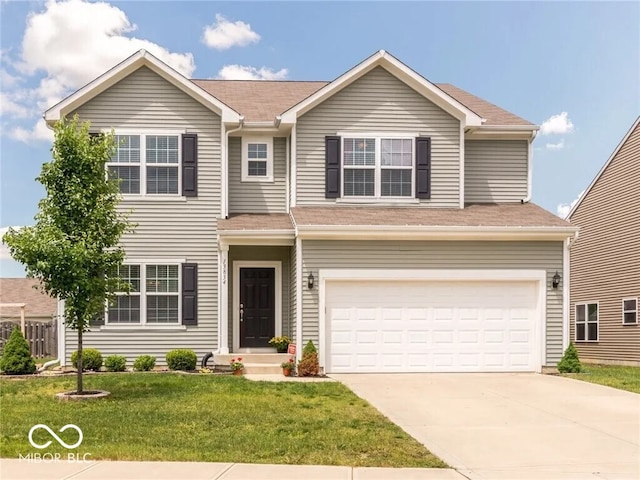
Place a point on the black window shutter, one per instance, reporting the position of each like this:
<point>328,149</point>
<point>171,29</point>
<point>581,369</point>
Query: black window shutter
<point>190,165</point>
<point>332,167</point>
<point>423,167</point>
<point>189,293</point>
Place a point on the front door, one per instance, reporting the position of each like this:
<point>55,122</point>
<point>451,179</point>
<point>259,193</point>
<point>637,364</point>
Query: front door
<point>257,307</point>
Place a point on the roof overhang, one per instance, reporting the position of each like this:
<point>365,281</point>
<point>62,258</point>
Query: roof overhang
<point>604,167</point>
<point>427,232</point>
<point>141,58</point>
<point>399,70</point>
<point>256,237</point>
<point>502,132</point>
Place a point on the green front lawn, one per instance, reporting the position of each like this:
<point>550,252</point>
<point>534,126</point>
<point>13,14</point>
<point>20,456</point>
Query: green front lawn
<point>623,378</point>
<point>207,418</point>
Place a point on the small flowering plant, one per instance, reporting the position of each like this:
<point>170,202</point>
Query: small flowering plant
<point>236,364</point>
<point>289,364</point>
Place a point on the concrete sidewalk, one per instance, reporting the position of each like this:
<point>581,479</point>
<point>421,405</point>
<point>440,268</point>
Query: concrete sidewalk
<point>11,469</point>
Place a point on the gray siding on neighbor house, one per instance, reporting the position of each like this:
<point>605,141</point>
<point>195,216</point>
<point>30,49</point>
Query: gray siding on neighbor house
<point>259,253</point>
<point>440,255</point>
<point>171,229</point>
<point>495,171</point>
<point>257,197</point>
<point>378,102</point>
<point>605,258</point>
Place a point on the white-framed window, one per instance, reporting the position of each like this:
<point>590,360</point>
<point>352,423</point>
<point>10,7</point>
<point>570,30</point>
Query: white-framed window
<point>147,163</point>
<point>154,299</point>
<point>257,159</point>
<point>378,167</point>
<point>630,311</point>
<point>587,322</point>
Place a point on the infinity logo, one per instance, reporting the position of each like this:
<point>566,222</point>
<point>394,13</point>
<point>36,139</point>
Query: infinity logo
<point>58,439</point>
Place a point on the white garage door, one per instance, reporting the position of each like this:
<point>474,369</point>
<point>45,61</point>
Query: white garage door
<point>428,326</point>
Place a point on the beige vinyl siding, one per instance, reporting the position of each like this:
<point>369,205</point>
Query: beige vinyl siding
<point>378,102</point>
<point>257,197</point>
<point>439,255</point>
<point>495,171</point>
<point>605,259</point>
<point>259,253</point>
<point>171,229</point>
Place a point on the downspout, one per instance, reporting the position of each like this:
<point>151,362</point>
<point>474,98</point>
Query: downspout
<point>225,169</point>
<point>566,289</point>
<point>527,199</point>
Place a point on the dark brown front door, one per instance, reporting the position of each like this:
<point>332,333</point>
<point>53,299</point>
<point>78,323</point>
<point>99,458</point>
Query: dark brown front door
<point>257,306</point>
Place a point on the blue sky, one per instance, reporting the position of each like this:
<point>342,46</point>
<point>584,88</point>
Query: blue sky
<point>535,59</point>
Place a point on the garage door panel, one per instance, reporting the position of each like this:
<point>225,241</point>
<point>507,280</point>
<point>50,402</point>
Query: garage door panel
<point>376,326</point>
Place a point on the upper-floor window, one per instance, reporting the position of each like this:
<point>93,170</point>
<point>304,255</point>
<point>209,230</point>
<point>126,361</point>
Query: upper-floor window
<point>630,311</point>
<point>587,322</point>
<point>257,159</point>
<point>377,167</point>
<point>147,164</point>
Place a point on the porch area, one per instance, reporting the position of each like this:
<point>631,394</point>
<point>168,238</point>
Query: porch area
<point>256,289</point>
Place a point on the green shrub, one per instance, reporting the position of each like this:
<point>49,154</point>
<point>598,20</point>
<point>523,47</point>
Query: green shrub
<point>16,358</point>
<point>144,363</point>
<point>181,359</point>
<point>570,362</point>
<point>309,365</point>
<point>115,363</point>
<point>91,359</point>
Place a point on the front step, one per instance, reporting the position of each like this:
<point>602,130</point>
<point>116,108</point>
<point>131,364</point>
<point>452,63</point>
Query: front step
<point>255,363</point>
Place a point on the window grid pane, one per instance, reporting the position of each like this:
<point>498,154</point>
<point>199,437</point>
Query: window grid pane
<point>162,180</point>
<point>162,149</point>
<point>360,151</point>
<point>124,309</point>
<point>257,168</point>
<point>396,183</point>
<point>131,275</point>
<point>396,152</point>
<point>129,178</point>
<point>257,151</point>
<point>162,278</point>
<point>127,149</point>
<point>162,309</point>
<point>359,182</point>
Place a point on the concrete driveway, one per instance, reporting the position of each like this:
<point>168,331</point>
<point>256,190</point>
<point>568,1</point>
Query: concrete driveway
<point>513,426</point>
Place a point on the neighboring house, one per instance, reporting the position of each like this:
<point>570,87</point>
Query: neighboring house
<point>383,217</point>
<point>605,260</point>
<point>38,306</point>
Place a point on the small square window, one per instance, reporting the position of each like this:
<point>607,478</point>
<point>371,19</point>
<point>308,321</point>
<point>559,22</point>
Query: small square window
<point>587,324</point>
<point>257,159</point>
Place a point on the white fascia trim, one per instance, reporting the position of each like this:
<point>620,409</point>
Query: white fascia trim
<point>125,68</point>
<point>399,70</point>
<point>421,232</point>
<point>604,167</point>
<point>439,275</point>
<point>566,292</point>
<point>243,237</point>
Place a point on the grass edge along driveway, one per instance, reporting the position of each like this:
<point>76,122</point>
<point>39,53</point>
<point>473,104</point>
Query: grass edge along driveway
<point>615,376</point>
<point>207,418</point>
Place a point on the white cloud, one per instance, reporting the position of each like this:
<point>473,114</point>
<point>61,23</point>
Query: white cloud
<point>557,124</point>
<point>224,34</point>
<point>243,72</point>
<point>564,208</point>
<point>9,107</point>
<point>72,42</point>
<point>555,146</point>
<point>40,131</point>
<point>4,250</point>
<point>6,79</point>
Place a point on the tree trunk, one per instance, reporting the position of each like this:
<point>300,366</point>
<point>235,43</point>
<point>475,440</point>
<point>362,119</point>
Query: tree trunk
<point>79,390</point>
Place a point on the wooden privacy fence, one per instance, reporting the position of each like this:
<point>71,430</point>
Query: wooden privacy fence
<point>42,337</point>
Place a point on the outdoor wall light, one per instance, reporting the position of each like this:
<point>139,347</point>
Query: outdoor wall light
<point>310,281</point>
<point>556,280</point>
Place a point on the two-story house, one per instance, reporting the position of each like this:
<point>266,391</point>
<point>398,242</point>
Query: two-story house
<point>384,217</point>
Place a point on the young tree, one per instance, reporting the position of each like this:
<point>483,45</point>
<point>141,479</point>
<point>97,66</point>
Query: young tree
<point>73,249</point>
